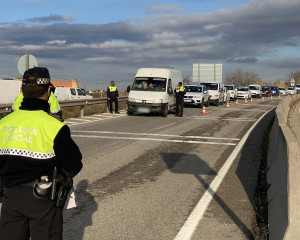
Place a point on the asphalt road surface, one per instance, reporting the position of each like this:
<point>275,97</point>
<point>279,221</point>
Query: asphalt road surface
<point>149,177</point>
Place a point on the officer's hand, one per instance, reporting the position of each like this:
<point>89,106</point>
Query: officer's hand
<point>108,98</point>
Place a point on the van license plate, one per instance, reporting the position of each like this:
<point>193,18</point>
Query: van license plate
<point>143,110</point>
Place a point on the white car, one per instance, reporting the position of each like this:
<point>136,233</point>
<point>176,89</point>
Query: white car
<point>255,90</point>
<point>282,91</point>
<point>297,88</point>
<point>291,90</point>
<point>232,91</point>
<point>196,94</point>
<point>243,92</point>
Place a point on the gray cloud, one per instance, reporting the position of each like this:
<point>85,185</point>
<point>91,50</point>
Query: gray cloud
<point>52,18</point>
<point>242,60</point>
<point>252,29</point>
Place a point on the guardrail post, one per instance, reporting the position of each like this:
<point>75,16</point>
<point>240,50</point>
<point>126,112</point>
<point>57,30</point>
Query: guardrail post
<point>81,110</point>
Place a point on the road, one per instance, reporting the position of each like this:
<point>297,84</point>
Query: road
<point>144,175</point>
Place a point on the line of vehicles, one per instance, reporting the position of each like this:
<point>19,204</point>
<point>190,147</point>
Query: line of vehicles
<point>152,91</point>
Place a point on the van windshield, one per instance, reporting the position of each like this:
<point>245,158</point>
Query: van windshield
<point>229,87</point>
<point>245,89</point>
<point>149,84</point>
<point>211,86</point>
<point>253,87</point>
<point>193,88</point>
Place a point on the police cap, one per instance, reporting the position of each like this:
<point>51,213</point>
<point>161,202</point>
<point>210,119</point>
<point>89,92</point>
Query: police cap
<point>41,73</point>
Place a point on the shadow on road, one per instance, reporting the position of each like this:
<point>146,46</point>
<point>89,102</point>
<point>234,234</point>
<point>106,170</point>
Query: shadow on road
<point>192,164</point>
<point>77,219</point>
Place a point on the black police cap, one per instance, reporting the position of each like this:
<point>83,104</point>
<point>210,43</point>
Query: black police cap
<point>41,73</point>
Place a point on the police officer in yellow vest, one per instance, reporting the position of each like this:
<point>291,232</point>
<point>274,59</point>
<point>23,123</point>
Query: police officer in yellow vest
<point>54,105</point>
<point>179,94</point>
<point>32,145</point>
<point>112,96</point>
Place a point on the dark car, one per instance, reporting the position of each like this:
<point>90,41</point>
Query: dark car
<point>275,90</point>
<point>266,91</point>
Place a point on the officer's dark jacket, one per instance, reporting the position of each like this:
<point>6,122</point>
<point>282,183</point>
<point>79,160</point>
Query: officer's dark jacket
<point>180,92</point>
<point>112,93</point>
<point>15,170</point>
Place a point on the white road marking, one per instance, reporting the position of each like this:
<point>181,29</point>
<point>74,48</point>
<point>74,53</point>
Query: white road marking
<point>152,139</point>
<point>245,110</point>
<point>221,118</point>
<point>189,227</point>
<point>168,125</point>
<point>153,134</point>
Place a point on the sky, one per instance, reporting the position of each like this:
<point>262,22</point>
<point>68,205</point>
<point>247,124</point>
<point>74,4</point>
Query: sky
<point>97,41</point>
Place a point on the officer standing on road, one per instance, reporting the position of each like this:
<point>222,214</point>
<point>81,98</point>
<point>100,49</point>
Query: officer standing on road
<point>33,144</point>
<point>179,94</point>
<point>112,96</point>
<point>54,105</point>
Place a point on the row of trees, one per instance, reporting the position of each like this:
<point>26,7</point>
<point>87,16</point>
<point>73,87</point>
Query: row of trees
<point>245,78</point>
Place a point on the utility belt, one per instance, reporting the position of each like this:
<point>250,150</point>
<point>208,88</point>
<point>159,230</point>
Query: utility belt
<point>55,189</point>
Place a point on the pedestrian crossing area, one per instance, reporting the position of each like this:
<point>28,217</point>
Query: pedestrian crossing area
<point>94,118</point>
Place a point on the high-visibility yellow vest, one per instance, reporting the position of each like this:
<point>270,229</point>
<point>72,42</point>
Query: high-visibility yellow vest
<point>29,134</point>
<point>54,105</point>
<point>112,88</point>
<point>182,89</point>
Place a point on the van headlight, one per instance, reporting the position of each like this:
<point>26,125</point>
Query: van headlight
<point>157,101</point>
<point>131,99</point>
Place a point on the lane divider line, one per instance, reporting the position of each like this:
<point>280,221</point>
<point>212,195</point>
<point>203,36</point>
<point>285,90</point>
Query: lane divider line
<point>152,139</point>
<point>154,134</point>
<point>189,227</point>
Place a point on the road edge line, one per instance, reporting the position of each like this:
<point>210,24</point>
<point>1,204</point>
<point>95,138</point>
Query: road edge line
<point>187,230</point>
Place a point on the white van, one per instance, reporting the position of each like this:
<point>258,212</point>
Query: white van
<point>216,92</point>
<point>69,93</point>
<point>153,91</point>
<point>255,90</point>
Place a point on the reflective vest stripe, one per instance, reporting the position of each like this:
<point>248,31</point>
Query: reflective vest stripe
<point>112,88</point>
<point>26,153</point>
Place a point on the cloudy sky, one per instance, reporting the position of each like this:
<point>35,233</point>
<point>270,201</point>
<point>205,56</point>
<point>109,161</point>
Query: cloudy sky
<point>97,41</point>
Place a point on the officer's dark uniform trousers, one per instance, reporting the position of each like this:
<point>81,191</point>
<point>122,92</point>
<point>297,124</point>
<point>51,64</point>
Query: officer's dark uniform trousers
<point>43,215</point>
<point>179,105</point>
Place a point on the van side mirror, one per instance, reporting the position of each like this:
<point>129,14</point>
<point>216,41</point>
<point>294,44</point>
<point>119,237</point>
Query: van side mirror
<point>128,89</point>
<point>170,90</point>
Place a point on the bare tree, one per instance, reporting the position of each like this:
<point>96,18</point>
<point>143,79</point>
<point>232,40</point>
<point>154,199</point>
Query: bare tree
<point>186,80</point>
<point>242,78</point>
<point>295,75</point>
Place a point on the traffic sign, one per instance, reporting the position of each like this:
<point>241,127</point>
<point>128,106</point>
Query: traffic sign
<point>292,82</point>
<point>25,62</point>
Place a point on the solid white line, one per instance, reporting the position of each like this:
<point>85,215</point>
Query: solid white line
<point>189,227</point>
<point>165,126</point>
<point>153,134</point>
<point>152,139</point>
<point>222,119</point>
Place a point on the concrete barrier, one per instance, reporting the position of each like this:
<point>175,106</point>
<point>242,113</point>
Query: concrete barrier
<point>283,177</point>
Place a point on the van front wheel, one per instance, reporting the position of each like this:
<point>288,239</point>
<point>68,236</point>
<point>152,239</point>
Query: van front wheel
<point>165,111</point>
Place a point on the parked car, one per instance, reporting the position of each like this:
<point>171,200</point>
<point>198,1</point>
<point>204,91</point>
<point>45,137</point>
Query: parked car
<point>282,91</point>
<point>266,91</point>
<point>196,94</point>
<point>255,90</point>
<point>69,93</point>
<point>243,92</point>
<point>297,87</point>
<point>275,90</point>
<point>232,91</point>
<point>216,92</point>
<point>291,91</point>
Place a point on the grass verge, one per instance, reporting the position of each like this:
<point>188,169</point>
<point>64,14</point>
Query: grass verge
<point>261,199</point>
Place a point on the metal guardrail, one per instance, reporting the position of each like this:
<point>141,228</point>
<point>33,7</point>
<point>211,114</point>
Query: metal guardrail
<point>6,108</point>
